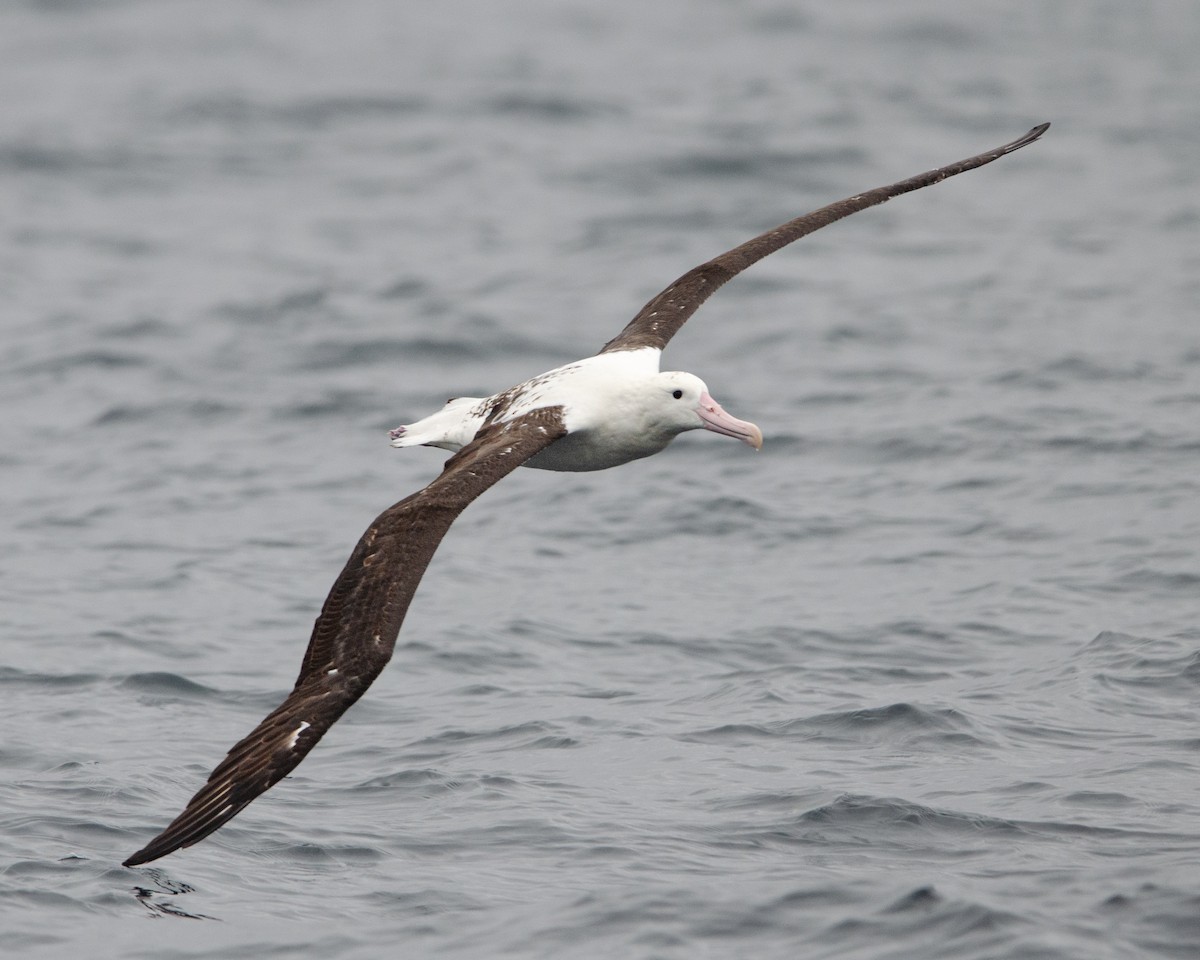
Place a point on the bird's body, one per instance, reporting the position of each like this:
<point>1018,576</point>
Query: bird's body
<point>592,414</point>
<point>617,407</point>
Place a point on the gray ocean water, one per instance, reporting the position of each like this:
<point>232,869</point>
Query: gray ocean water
<point>919,680</point>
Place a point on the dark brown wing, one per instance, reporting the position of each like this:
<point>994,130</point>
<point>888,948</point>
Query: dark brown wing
<point>660,319</point>
<point>354,635</point>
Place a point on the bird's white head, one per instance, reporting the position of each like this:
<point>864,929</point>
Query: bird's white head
<point>684,403</point>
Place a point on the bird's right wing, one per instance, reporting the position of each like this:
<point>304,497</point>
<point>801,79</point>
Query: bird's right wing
<point>660,319</point>
<point>353,637</point>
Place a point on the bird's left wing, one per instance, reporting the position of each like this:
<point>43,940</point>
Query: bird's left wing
<point>356,630</point>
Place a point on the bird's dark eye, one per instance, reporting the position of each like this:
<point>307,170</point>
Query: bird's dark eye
<point>678,394</point>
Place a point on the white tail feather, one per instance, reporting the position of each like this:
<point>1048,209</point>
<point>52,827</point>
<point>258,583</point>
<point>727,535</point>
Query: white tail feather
<point>451,428</point>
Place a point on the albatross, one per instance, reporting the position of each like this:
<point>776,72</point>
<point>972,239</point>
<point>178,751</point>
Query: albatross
<point>596,413</point>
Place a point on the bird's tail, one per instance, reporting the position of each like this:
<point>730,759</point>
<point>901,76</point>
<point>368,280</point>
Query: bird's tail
<point>451,428</point>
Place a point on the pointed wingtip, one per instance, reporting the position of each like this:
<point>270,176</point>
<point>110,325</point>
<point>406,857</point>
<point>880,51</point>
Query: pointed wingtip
<point>1032,135</point>
<point>151,851</point>
<point>137,858</point>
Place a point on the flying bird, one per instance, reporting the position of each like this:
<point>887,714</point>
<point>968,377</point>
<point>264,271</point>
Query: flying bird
<point>592,414</point>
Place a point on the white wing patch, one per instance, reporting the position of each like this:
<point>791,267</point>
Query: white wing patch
<point>304,725</point>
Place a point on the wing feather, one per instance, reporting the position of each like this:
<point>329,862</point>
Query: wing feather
<point>660,319</point>
<point>356,630</point>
